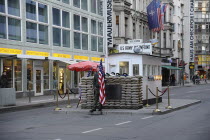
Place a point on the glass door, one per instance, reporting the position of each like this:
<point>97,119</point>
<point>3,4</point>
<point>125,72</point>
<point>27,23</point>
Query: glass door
<point>38,78</point>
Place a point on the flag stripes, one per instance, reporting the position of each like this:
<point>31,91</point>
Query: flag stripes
<point>102,96</point>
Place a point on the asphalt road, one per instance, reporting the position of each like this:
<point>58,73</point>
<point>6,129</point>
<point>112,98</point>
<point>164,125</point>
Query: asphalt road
<point>192,123</point>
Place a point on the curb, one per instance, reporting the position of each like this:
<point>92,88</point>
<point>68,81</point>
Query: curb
<point>34,106</point>
<point>176,109</point>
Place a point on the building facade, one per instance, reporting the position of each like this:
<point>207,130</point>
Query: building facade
<point>202,37</point>
<point>39,38</point>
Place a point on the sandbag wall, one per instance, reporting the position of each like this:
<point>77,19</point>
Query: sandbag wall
<point>131,93</point>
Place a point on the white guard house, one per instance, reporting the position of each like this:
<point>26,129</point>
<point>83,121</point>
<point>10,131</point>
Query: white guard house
<point>137,59</point>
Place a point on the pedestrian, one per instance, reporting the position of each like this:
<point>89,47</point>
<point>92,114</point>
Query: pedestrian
<point>4,80</point>
<point>204,77</point>
<point>96,88</point>
<point>172,80</point>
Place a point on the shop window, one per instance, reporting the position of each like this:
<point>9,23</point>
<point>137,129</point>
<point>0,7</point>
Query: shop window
<point>29,75</point>
<point>7,67</point>
<point>124,67</point>
<point>18,74</point>
<point>14,7</point>
<point>46,74</point>
<point>93,43</point>
<point>75,79</point>
<point>135,69</point>
<point>55,75</point>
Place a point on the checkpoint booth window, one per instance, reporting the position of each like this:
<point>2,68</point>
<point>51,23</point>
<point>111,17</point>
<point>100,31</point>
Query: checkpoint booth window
<point>124,66</point>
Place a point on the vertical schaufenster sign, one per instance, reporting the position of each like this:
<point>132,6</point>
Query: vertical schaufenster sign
<point>109,23</point>
<point>191,30</point>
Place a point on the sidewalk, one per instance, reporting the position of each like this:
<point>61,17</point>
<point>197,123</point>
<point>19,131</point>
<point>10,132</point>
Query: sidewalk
<point>36,102</point>
<point>176,104</point>
<point>188,84</point>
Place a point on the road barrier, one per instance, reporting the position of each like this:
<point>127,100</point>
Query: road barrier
<point>157,97</point>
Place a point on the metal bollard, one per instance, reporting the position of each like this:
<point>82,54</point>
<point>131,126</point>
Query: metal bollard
<point>68,106</point>
<point>147,105</point>
<point>169,106</point>
<point>57,108</point>
<point>157,110</point>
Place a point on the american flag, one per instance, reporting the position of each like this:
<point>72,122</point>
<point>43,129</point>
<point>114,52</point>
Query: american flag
<point>101,82</point>
<point>163,10</point>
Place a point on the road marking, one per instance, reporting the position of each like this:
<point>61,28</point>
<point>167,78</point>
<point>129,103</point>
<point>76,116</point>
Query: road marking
<point>197,90</point>
<point>146,117</point>
<point>92,130</point>
<point>57,139</point>
<point>41,100</point>
<point>123,123</point>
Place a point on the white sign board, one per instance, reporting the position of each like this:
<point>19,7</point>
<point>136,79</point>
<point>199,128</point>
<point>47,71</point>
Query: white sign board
<point>109,25</point>
<point>135,41</point>
<point>142,48</point>
<point>191,30</point>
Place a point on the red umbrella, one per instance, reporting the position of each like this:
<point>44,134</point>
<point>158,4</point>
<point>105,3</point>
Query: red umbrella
<point>83,66</point>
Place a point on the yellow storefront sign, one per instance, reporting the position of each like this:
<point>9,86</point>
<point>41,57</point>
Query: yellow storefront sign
<point>81,57</point>
<point>10,51</point>
<point>46,54</point>
<point>96,59</point>
<point>61,55</point>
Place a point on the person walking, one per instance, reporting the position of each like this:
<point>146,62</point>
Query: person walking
<point>172,79</point>
<point>96,88</point>
<point>4,80</point>
<point>204,77</point>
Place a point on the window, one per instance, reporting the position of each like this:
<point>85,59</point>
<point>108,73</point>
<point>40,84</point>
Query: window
<point>93,6</point>
<point>14,7</point>
<point>18,74</point>
<point>84,24</point>
<point>56,17</point>
<point>124,67</point>
<point>76,22</point>
<point>100,44</point>
<point>29,75</point>
<point>76,3</point>
<point>65,1</point>
<point>148,70</point>
<point>135,69</point>
<point>93,43</point>
<point>14,29</point>
<point>100,28</point>
<point>8,68</point>
<point>43,34</point>
<point>43,17</point>
<point>84,4</point>
<point>46,74</point>
<point>30,9</point>
<point>3,31</point>
<point>77,41</point>
<point>56,37</point>
<point>93,27</point>
<point>66,37</point>
<point>65,19</point>
<point>31,32</point>
<point>2,6</point>
<point>84,41</point>
<point>144,70</point>
<point>100,7</point>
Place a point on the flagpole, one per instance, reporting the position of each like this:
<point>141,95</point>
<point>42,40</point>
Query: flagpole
<point>160,41</point>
